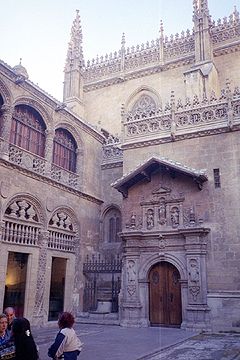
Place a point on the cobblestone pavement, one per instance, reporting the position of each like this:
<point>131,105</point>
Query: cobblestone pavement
<point>106,342</point>
<point>202,347</point>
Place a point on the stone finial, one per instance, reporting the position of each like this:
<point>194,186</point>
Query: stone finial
<point>228,89</point>
<point>123,42</point>
<point>172,101</point>
<point>235,14</point>
<point>161,30</point>
<point>75,52</point>
<point>200,8</point>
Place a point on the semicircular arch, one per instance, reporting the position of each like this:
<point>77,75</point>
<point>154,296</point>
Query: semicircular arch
<point>71,214</point>
<point>5,93</point>
<point>155,259</point>
<point>75,134</point>
<point>33,200</point>
<point>36,106</point>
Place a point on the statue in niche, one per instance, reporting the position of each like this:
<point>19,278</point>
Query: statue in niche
<point>162,214</point>
<point>131,271</point>
<point>150,219</point>
<point>194,271</point>
<point>133,220</point>
<point>175,216</point>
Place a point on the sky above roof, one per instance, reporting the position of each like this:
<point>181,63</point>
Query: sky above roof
<point>39,31</point>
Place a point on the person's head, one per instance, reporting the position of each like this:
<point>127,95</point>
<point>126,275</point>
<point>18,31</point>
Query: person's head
<point>3,323</point>
<point>23,340</point>
<point>65,320</point>
<point>10,313</point>
<point>20,327</point>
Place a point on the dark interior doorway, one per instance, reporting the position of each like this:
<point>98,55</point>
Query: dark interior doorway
<point>15,284</point>
<point>57,288</point>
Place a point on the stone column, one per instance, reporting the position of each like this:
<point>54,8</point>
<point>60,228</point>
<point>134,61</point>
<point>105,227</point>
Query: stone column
<point>39,312</point>
<point>6,129</point>
<point>49,151</point>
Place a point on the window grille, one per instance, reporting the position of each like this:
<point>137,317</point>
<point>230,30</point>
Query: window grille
<point>64,150</point>
<point>28,130</point>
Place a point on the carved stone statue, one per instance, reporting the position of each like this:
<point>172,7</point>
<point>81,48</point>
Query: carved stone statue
<point>175,216</point>
<point>131,271</point>
<point>150,219</point>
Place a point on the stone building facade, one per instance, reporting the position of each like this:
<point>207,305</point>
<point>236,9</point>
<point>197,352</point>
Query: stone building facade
<point>140,161</point>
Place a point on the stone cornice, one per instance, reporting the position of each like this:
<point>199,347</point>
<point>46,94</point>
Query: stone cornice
<point>156,235</point>
<point>51,182</point>
<point>226,48</point>
<point>143,143</point>
<point>112,165</point>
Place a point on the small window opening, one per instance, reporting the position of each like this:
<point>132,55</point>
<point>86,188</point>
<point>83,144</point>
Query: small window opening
<point>216,175</point>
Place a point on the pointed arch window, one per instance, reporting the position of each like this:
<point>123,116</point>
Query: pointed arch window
<point>64,150</point>
<point>28,130</point>
<point>112,225</point>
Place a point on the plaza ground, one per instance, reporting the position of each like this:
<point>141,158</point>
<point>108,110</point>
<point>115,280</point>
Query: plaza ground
<point>108,342</point>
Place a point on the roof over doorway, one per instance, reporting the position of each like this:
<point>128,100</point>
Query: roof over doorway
<point>144,171</point>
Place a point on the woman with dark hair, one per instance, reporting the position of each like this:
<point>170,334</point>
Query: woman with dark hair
<point>66,345</point>
<point>25,347</point>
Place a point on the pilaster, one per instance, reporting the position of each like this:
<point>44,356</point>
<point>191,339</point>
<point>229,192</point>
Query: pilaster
<point>6,130</point>
<point>39,312</point>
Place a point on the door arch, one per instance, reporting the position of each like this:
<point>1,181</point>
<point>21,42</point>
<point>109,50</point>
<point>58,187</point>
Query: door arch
<point>165,308</point>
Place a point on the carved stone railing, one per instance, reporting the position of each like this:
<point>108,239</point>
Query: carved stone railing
<point>103,66</point>
<point>226,29</point>
<point>179,46</point>
<point>177,119</point>
<point>60,240</point>
<point>20,233</point>
<point>160,51</point>
<point>38,165</point>
<point>63,176</point>
<point>26,159</point>
<point>112,152</point>
<point>140,56</point>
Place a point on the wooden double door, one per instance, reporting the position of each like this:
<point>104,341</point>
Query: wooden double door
<point>165,295</point>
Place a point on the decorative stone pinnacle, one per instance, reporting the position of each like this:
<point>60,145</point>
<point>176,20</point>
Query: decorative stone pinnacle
<point>161,29</point>
<point>172,99</point>
<point>75,53</point>
<point>123,42</point>
<point>200,7</point>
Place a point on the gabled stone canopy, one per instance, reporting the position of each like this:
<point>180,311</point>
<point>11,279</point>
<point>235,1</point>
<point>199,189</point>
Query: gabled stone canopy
<point>144,171</point>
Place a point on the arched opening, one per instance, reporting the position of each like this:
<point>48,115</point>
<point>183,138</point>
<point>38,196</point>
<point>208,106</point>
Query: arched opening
<point>1,114</point>
<point>28,129</point>
<point>165,308</point>
<point>64,150</point>
<point>112,225</point>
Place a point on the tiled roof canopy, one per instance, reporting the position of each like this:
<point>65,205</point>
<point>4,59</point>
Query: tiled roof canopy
<point>144,171</point>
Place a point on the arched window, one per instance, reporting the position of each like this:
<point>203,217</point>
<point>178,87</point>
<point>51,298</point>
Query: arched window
<point>28,129</point>
<point>144,107</point>
<point>64,150</point>
<point>112,225</point>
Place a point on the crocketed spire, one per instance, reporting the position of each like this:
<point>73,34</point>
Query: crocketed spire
<point>75,54</point>
<point>200,8</point>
